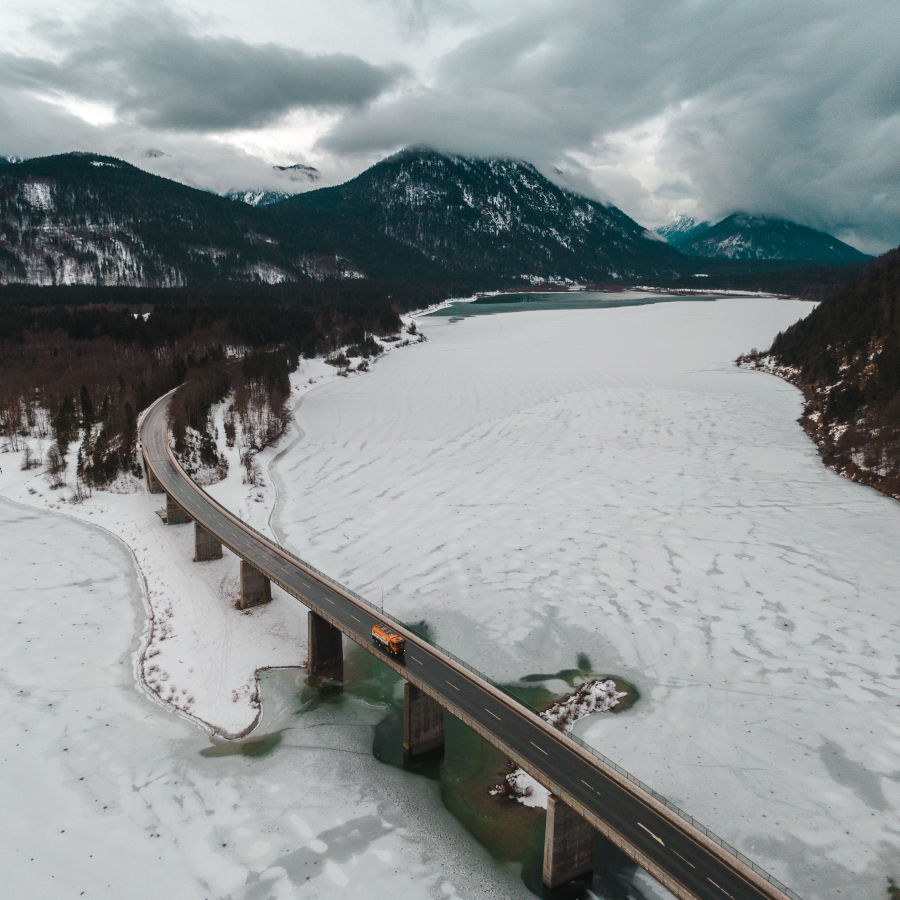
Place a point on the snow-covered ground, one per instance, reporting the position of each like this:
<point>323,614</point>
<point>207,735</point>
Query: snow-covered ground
<point>535,485</point>
<point>200,653</point>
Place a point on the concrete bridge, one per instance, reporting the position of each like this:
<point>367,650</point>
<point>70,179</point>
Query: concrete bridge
<point>589,793</point>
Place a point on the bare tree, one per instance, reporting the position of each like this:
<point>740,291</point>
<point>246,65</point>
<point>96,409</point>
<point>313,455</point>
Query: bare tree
<point>56,467</point>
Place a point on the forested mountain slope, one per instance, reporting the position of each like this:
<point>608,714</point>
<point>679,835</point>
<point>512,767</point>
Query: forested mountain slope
<point>846,358</point>
<point>495,217</point>
<point>80,218</point>
<point>740,236</point>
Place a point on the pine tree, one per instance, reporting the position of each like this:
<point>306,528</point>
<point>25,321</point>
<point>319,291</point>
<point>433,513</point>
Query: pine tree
<point>64,424</point>
<point>87,409</point>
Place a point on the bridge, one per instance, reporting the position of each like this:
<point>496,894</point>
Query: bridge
<point>589,793</point>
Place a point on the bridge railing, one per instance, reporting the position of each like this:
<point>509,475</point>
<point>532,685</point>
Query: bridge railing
<point>685,816</point>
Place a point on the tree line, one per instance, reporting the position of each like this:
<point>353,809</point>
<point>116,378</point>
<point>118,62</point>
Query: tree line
<point>79,366</point>
<point>846,356</point>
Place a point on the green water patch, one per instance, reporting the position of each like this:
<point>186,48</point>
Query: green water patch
<point>470,767</point>
<point>534,302</point>
<point>465,772</point>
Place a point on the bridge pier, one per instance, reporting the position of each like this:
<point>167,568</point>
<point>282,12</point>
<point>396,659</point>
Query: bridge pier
<point>255,587</point>
<point>176,514</point>
<point>206,544</point>
<point>153,484</point>
<point>568,844</point>
<point>326,648</point>
<point>423,723</point>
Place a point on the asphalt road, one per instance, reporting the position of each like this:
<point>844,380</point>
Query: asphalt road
<point>699,870</point>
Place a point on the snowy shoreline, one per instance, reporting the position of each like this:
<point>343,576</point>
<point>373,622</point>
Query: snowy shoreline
<point>825,436</point>
<point>199,655</point>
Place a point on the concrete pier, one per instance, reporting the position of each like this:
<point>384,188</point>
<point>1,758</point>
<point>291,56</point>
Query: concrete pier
<point>568,844</point>
<point>206,544</point>
<point>423,723</point>
<point>175,512</point>
<point>255,587</point>
<point>153,484</point>
<point>326,649</point>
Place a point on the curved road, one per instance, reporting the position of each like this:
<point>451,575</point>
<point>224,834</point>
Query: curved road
<point>678,855</point>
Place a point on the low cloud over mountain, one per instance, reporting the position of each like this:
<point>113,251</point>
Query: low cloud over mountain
<point>778,109</point>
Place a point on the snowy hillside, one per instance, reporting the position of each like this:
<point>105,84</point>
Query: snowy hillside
<point>681,229</point>
<point>258,198</point>
<point>36,247</point>
<point>299,172</point>
<point>845,357</point>
<point>296,178</point>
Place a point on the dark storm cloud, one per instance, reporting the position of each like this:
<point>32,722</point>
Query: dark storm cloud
<point>153,71</point>
<point>706,106</point>
<point>790,109</point>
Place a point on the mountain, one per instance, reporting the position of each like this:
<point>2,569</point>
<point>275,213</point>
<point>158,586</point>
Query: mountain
<point>845,357</point>
<point>740,236</point>
<point>418,216</point>
<point>680,230</point>
<point>497,219</point>
<point>81,218</point>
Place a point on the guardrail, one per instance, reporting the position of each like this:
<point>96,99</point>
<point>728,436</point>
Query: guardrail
<point>592,751</point>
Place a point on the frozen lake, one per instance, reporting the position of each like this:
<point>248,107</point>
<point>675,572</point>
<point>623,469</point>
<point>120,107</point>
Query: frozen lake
<point>107,793</point>
<point>536,488</point>
<point>538,485</point>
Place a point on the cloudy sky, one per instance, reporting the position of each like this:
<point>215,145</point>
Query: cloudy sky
<point>702,107</point>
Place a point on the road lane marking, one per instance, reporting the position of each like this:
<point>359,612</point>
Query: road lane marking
<point>416,658</point>
<point>655,837</point>
<point>329,600</point>
<point>719,886</point>
<point>684,860</point>
<point>355,617</point>
<point>589,786</point>
<point>533,744</point>
<point>493,714</point>
<point>455,688</point>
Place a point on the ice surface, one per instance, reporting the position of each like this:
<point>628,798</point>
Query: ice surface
<point>536,485</point>
<point>107,794</point>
